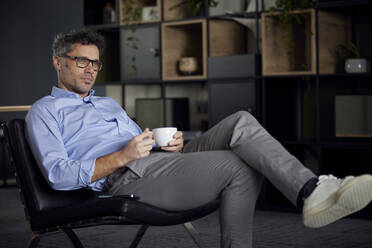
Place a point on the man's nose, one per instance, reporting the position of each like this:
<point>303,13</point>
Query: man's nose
<point>90,68</point>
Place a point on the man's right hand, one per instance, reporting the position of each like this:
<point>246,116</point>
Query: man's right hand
<point>138,147</point>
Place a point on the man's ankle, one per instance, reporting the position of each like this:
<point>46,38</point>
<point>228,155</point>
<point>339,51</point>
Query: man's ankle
<point>306,191</point>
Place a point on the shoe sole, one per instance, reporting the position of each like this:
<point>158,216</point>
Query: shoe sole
<point>350,198</point>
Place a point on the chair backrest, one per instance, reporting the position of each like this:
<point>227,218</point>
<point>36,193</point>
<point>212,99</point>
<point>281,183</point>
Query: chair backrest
<point>36,194</point>
<point>6,170</point>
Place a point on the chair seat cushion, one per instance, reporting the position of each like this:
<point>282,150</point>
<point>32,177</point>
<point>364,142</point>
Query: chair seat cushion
<point>129,212</point>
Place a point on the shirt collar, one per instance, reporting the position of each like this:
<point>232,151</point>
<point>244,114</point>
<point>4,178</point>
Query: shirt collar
<point>60,93</point>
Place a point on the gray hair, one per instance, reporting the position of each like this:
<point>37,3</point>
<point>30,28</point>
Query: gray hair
<point>65,42</point>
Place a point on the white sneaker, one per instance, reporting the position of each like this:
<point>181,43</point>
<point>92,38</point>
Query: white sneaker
<point>334,198</point>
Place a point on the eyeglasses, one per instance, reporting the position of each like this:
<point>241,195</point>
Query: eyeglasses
<point>82,62</point>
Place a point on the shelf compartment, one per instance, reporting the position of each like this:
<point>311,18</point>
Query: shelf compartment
<point>111,70</point>
<point>290,108</point>
<point>178,13</point>
<point>227,46</point>
<point>340,95</point>
<point>353,116</point>
<point>94,11</point>
<point>149,11</point>
<point>226,38</point>
<point>198,103</point>
<point>333,30</point>
<point>177,39</point>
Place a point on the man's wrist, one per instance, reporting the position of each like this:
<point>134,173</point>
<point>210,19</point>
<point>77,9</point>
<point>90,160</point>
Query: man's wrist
<point>121,159</point>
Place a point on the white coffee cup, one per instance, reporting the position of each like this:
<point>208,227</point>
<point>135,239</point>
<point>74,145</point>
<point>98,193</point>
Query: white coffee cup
<point>163,135</point>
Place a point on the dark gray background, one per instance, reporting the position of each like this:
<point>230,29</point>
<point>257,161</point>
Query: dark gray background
<point>27,29</point>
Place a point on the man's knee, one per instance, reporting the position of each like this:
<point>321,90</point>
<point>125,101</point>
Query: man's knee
<point>240,117</point>
<point>242,114</point>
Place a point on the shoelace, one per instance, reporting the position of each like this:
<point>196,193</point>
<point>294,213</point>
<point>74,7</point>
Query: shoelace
<point>323,178</point>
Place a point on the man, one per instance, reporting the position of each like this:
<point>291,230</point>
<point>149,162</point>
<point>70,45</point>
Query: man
<point>80,140</point>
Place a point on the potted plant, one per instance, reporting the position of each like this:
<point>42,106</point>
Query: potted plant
<point>288,20</point>
<point>350,56</point>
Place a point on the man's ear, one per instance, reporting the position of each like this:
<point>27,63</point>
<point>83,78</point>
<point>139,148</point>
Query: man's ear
<point>57,63</point>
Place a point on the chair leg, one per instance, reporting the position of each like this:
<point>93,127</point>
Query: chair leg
<point>73,237</point>
<point>194,234</point>
<point>34,241</point>
<point>141,231</point>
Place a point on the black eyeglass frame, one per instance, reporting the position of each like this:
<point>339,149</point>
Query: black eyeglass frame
<point>97,65</point>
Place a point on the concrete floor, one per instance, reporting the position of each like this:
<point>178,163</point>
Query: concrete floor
<point>271,229</point>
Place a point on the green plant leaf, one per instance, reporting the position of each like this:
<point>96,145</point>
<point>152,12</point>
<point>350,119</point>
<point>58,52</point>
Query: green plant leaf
<point>133,70</point>
<point>350,50</point>
<point>128,9</point>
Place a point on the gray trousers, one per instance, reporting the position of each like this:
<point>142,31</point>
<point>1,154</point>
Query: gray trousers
<point>227,161</point>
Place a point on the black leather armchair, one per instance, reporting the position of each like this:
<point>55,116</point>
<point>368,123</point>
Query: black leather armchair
<point>48,210</point>
<point>5,171</point>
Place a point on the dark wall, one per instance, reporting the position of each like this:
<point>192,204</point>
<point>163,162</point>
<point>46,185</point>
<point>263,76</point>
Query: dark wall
<point>27,29</point>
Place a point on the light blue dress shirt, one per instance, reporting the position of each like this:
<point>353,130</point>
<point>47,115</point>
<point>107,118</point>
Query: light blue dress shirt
<point>67,133</point>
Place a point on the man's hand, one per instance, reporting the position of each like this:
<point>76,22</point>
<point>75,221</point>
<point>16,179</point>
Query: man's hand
<point>175,145</point>
<point>138,147</point>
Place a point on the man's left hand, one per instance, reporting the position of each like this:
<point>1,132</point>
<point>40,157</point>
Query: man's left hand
<point>175,145</point>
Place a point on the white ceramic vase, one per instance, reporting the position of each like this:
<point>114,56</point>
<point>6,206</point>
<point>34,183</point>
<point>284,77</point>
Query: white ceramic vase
<point>188,65</point>
<point>149,13</point>
<point>357,65</point>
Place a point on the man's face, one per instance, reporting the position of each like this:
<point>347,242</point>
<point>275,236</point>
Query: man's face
<point>74,78</point>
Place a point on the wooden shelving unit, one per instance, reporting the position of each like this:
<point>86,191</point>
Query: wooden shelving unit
<point>177,38</point>
<point>299,106</point>
<point>295,103</point>
<point>300,59</point>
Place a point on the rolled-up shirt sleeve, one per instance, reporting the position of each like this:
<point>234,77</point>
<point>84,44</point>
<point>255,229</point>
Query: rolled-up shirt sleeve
<point>44,136</point>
